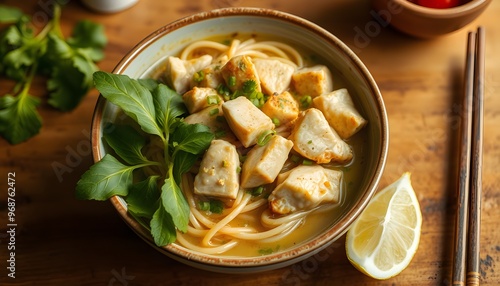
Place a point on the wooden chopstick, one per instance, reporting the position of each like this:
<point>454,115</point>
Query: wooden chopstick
<point>476,164</point>
<point>470,157</point>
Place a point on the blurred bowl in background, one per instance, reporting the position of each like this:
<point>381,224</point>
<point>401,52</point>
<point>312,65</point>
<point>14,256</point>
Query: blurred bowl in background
<point>424,22</point>
<point>109,6</point>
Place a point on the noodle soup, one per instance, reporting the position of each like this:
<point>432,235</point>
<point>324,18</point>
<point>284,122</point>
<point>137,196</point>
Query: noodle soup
<point>246,226</point>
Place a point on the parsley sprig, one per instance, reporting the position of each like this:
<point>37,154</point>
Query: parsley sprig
<point>158,111</point>
<point>68,63</point>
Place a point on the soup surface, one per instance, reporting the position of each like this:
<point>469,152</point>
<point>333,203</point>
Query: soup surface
<point>249,223</point>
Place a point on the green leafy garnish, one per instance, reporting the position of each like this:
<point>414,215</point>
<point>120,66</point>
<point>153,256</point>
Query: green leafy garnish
<point>213,206</point>
<point>198,76</point>
<point>267,251</point>
<point>305,101</point>
<point>158,198</point>
<point>68,65</point>
<point>265,137</point>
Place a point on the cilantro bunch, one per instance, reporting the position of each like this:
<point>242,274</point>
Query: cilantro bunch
<point>156,200</point>
<point>68,65</point>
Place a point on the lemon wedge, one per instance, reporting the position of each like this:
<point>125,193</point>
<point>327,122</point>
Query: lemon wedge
<point>383,240</point>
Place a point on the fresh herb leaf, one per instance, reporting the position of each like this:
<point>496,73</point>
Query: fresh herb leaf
<point>157,109</point>
<point>89,37</point>
<point>9,14</point>
<point>132,97</point>
<point>183,162</point>
<point>106,178</point>
<point>168,105</point>
<point>19,119</point>
<point>16,63</point>
<point>148,83</point>
<point>192,138</point>
<point>68,66</point>
<point>175,204</point>
<point>162,227</point>
<point>142,198</point>
<point>127,143</point>
<point>65,86</point>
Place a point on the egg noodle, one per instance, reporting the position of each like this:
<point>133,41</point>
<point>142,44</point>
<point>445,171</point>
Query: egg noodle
<point>219,236</point>
<point>248,218</point>
<point>251,48</point>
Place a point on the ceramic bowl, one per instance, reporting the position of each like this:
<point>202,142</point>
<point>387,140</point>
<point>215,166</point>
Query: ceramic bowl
<point>170,39</point>
<point>424,22</point>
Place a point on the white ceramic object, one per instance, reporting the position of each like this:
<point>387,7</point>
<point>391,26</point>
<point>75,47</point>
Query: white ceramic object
<point>170,39</point>
<point>109,6</point>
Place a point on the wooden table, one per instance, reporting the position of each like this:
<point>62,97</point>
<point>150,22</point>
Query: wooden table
<point>63,241</point>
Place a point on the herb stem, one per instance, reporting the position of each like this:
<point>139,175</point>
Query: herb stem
<point>27,83</point>
<point>56,27</point>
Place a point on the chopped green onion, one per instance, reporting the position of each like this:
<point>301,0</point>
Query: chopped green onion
<point>231,81</point>
<point>199,76</point>
<point>238,169</point>
<point>220,133</point>
<point>213,112</point>
<point>307,162</point>
<point>216,206</point>
<point>309,142</point>
<point>257,191</point>
<point>203,205</point>
<point>249,86</point>
<point>295,158</point>
<point>276,121</point>
<point>242,66</point>
<point>264,137</point>
<point>305,101</point>
<point>213,99</point>
<point>225,163</point>
<point>224,91</point>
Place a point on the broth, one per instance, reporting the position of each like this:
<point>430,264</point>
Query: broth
<point>314,223</point>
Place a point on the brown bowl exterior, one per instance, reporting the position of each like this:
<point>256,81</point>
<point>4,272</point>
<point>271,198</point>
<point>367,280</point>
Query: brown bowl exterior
<point>423,22</point>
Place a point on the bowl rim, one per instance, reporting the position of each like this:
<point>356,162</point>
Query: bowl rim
<point>291,255</point>
<point>457,11</point>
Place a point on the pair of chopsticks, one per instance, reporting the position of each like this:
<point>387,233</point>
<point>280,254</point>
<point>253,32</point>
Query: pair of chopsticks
<point>468,219</point>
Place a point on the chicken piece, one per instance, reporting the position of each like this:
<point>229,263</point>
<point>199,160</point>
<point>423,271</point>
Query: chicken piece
<point>218,175</point>
<point>263,163</point>
<point>282,107</point>
<point>246,120</point>
<point>313,81</point>
<point>179,73</point>
<point>237,71</point>
<point>210,76</point>
<point>200,97</point>
<point>316,140</point>
<point>304,188</point>
<point>340,112</point>
<point>212,117</point>
<point>275,76</point>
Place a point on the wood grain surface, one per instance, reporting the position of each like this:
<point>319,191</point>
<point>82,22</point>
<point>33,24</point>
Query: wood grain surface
<point>63,241</point>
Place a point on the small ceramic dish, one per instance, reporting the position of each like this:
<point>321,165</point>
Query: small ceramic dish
<point>424,22</point>
<point>152,52</point>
